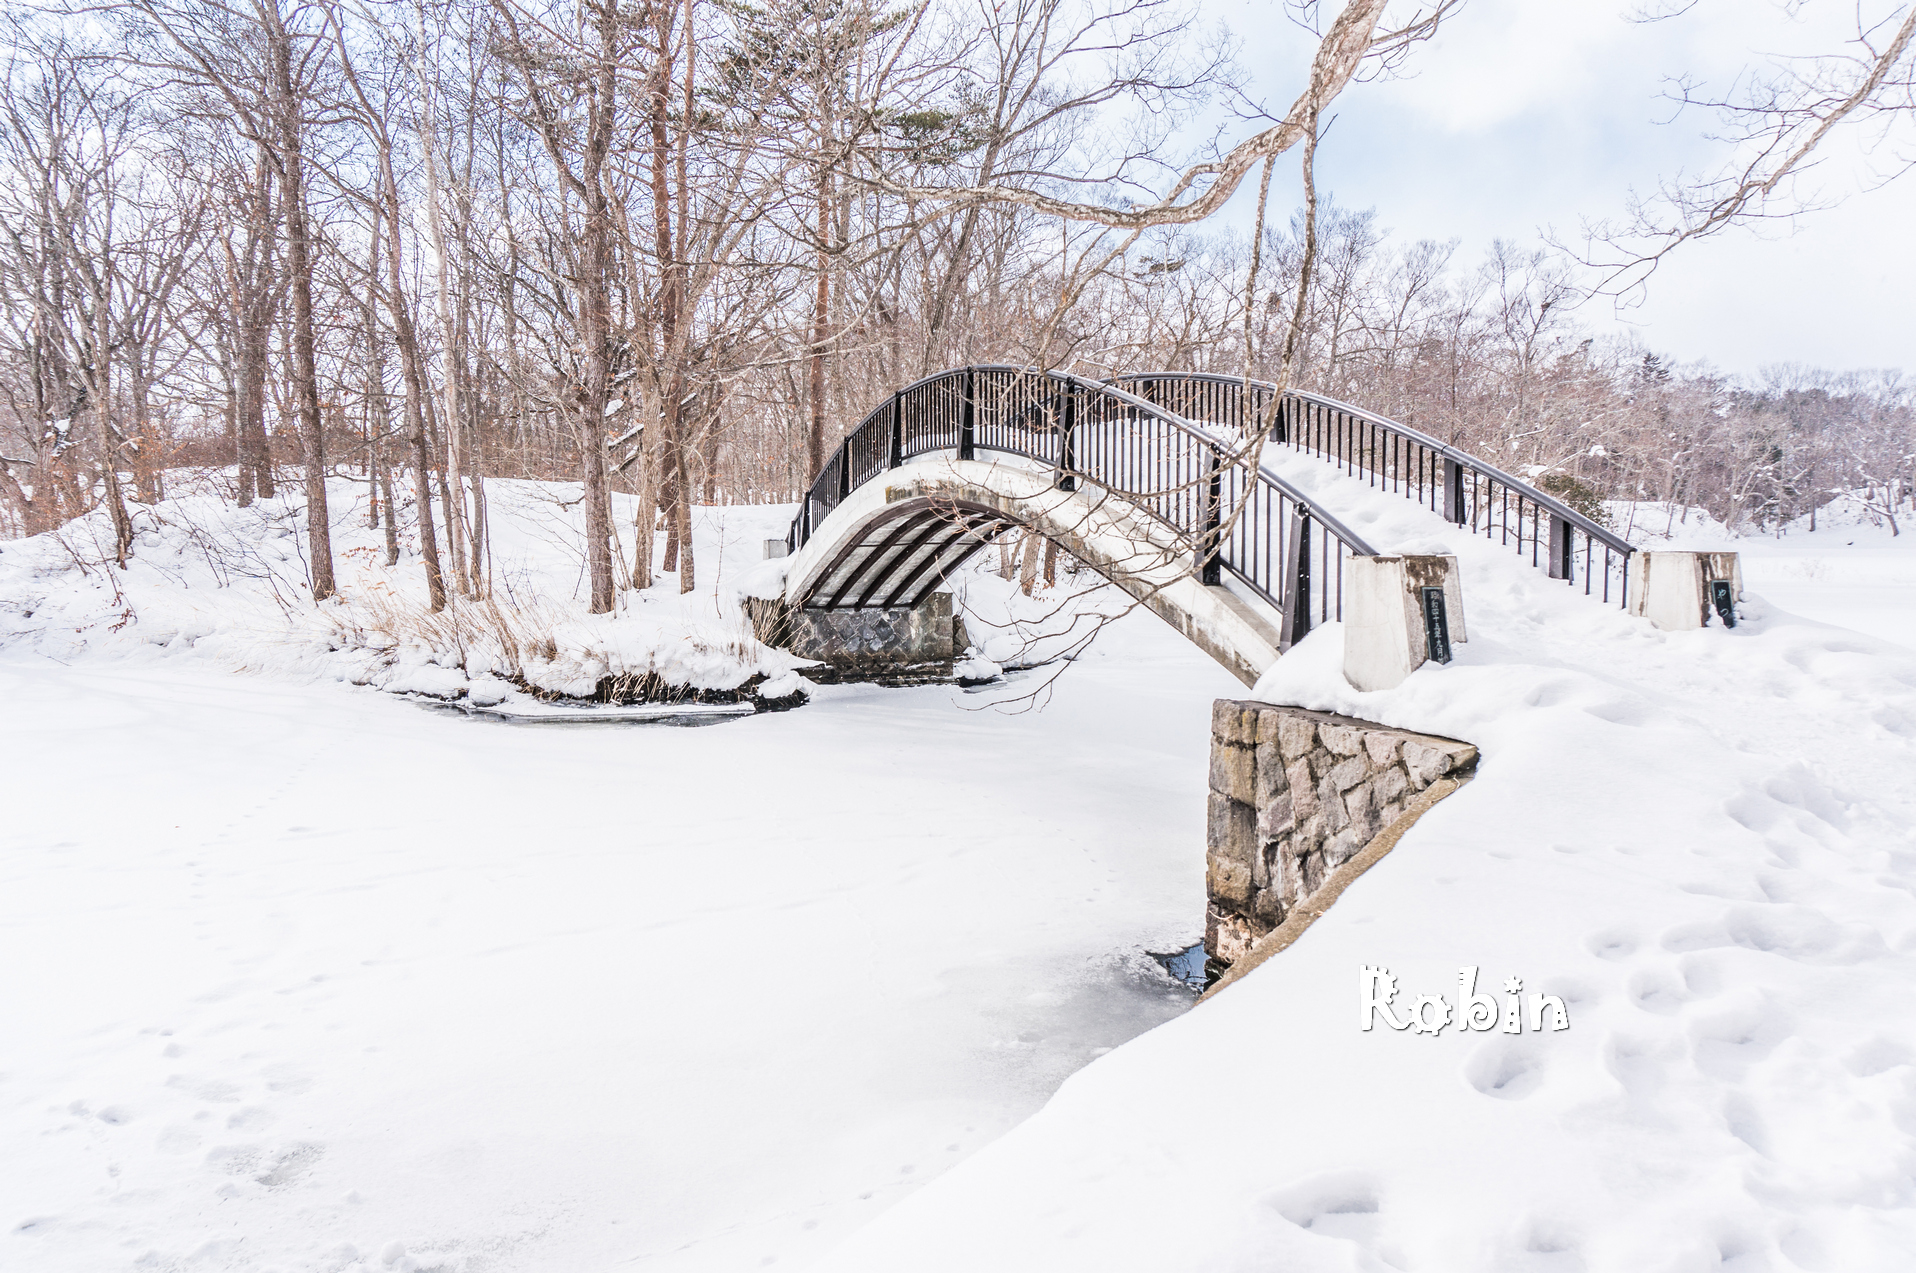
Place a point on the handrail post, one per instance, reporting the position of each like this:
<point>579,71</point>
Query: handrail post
<point>897,455</point>
<point>1067,457</point>
<point>1297,582</point>
<point>1453,492</point>
<point>967,419</point>
<point>844,470</point>
<point>1211,545</point>
<point>1562,552</point>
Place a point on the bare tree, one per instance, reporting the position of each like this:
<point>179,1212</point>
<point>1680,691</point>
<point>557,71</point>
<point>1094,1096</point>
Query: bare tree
<point>1779,119</point>
<point>264,63</point>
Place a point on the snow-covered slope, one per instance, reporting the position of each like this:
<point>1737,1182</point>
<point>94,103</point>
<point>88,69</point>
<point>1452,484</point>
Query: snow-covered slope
<point>1701,841</point>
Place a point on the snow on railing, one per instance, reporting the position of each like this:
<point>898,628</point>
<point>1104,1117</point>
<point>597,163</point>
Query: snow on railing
<point>1397,458</point>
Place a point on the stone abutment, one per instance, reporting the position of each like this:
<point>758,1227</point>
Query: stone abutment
<point>1295,795</point>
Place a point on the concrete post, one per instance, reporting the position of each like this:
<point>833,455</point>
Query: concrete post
<point>1399,613</point>
<point>1678,591</point>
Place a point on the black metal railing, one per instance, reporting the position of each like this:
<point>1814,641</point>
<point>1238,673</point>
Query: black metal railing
<point>1399,459</point>
<point>1191,478</point>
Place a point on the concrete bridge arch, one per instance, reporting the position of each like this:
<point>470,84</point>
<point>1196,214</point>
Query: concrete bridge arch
<point>887,550</point>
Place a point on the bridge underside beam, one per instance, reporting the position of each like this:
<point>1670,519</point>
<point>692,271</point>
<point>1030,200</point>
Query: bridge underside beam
<point>903,554</point>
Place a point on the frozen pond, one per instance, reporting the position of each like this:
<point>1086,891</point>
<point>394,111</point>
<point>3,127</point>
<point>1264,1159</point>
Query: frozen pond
<point>307,978</point>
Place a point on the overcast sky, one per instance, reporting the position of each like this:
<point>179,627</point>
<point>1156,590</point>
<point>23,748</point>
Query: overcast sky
<point>1530,114</point>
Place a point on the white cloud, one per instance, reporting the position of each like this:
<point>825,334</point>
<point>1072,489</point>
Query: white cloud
<point>1527,115</point>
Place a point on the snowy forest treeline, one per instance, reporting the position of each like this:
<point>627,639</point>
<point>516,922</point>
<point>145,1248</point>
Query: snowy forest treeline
<point>661,248</point>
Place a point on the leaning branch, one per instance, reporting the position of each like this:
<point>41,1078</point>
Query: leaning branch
<point>1710,207</point>
<point>1351,39</point>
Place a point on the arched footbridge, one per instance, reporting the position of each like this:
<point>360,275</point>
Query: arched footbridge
<point>1162,482</point>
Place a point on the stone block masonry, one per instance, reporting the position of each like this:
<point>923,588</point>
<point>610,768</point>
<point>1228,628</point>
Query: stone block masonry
<point>1294,794</point>
<point>902,644</point>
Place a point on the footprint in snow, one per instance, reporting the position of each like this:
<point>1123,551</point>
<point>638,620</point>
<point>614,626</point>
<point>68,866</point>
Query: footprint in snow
<point>1547,1247</point>
<point>1876,1056</point>
<point>1743,1122</point>
<point>1611,943</point>
<point>1640,1064</point>
<point>211,1090</point>
<point>1343,1204</point>
<point>287,1078</point>
<point>1631,713</point>
<point>1726,1043</point>
<point>247,1119</point>
<point>1658,990</point>
<point>1791,932</point>
<point>1504,1070</point>
<point>273,1168</point>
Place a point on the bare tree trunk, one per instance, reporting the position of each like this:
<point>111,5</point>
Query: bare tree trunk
<point>230,403</point>
<point>678,549</point>
<point>252,299</point>
<point>319,530</point>
<point>821,317</point>
<point>392,529</point>
<point>645,512</point>
<point>102,389</point>
<point>404,339</point>
<point>255,452</point>
<point>409,373</point>
<point>709,454</point>
<point>452,482</point>
<point>472,455</point>
<point>669,505</point>
<point>243,353</point>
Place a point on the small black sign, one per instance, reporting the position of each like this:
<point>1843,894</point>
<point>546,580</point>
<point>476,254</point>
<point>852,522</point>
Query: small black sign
<point>1723,596</point>
<point>1436,625</point>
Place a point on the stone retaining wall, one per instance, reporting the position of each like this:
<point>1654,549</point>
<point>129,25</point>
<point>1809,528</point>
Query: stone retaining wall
<point>900,644</point>
<point>1294,794</point>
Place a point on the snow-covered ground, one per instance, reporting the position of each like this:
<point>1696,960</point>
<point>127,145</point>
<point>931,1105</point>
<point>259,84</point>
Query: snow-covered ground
<point>1702,842</point>
<point>303,977</point>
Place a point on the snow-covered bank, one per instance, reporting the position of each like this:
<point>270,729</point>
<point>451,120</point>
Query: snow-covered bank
<point>229,587</point>
<point>1701,841</point>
